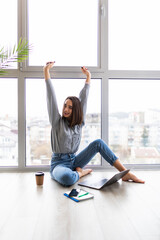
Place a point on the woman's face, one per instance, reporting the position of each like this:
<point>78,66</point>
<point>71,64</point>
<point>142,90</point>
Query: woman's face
<point>67,108</point>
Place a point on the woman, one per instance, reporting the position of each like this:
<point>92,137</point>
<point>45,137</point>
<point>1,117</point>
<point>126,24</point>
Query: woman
<point>66,166</point>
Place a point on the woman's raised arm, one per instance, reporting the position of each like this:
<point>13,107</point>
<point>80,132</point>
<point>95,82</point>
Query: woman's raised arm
<point>52,106</point>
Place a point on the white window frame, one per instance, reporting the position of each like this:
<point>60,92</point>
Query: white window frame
<point>101,72</point>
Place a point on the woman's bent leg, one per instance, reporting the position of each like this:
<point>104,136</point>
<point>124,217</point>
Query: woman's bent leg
<point>100,146</point>
<point>89,152</point>
<point>64,175</point>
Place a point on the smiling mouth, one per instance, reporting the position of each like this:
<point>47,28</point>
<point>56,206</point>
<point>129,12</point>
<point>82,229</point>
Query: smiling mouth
<point>66,114</point>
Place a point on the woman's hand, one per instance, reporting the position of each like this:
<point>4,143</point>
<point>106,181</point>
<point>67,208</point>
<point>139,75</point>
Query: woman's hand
<point>87,73</point>
<point>49,65</point>
<point>46,69</point>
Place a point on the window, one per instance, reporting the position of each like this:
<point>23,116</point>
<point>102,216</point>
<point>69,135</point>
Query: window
<point>73,39</point>
<point>8,122</point>
<point>134,120</point>
<point>134,35</point>
<point>118,40</point>
<point>38,130</point>
<point>65,31</point>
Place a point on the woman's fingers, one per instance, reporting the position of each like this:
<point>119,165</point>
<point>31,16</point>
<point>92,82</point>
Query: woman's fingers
<point>84,68</point>
<point>50,62</point>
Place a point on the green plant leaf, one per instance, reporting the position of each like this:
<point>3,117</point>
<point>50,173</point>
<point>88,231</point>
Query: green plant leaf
<point>18,54</point>
<point>3,72</point>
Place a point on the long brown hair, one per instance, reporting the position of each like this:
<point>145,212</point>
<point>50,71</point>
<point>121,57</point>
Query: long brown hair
<point>77,114</point>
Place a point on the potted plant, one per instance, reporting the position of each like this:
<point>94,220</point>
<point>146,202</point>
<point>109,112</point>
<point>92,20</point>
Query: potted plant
<point>18,54</point>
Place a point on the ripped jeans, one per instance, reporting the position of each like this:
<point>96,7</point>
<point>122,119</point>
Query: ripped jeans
<point>63,165</point>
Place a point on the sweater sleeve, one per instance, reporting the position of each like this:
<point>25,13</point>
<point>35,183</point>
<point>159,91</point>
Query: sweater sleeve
<point>83,97</point>
<point>52,106</point>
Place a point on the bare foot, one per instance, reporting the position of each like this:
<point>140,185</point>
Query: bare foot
<point>131,176</point>
<point>83,172</point>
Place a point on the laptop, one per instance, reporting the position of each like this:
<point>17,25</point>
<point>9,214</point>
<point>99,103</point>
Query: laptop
<point>103,182</point>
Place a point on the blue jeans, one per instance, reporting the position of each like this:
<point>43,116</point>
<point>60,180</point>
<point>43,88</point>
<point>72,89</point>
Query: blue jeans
<point>63,165</point>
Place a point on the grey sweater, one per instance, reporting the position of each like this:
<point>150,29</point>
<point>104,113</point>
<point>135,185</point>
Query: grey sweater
<point>64,139</point>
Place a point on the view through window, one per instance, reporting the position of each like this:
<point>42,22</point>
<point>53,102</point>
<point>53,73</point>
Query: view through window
<point>8,122</point>
<point>8,19</point>
<point>65,31</point>
<point>134,34</point>
<point>38,130</point>
<point>134,120</point>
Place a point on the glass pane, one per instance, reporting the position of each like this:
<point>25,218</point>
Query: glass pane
<point>38,128</point>
<point>134,120</point>
<point>8,20</point>
<point>64,31</point>
<point>134,34</point>
<point>8,122</point>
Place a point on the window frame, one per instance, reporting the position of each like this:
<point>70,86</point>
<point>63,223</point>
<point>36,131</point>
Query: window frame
<point>101,56</point>
<point>100,72</point>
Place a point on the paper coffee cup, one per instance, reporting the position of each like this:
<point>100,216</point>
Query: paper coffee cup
<point>39,178</point>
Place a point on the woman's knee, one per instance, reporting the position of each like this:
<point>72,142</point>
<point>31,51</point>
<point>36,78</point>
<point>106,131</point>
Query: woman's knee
<point>98,143</point>
<point>64,176</point>
<point>67,179</point>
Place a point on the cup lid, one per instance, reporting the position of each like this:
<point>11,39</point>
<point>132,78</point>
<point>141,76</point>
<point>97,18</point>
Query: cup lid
<point>39,173</point>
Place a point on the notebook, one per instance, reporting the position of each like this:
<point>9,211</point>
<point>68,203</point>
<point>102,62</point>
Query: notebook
<point>80,196</point>
<point>104,181</point>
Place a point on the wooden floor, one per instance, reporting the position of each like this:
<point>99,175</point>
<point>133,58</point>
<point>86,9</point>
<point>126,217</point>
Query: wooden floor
<point>122,211</point>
